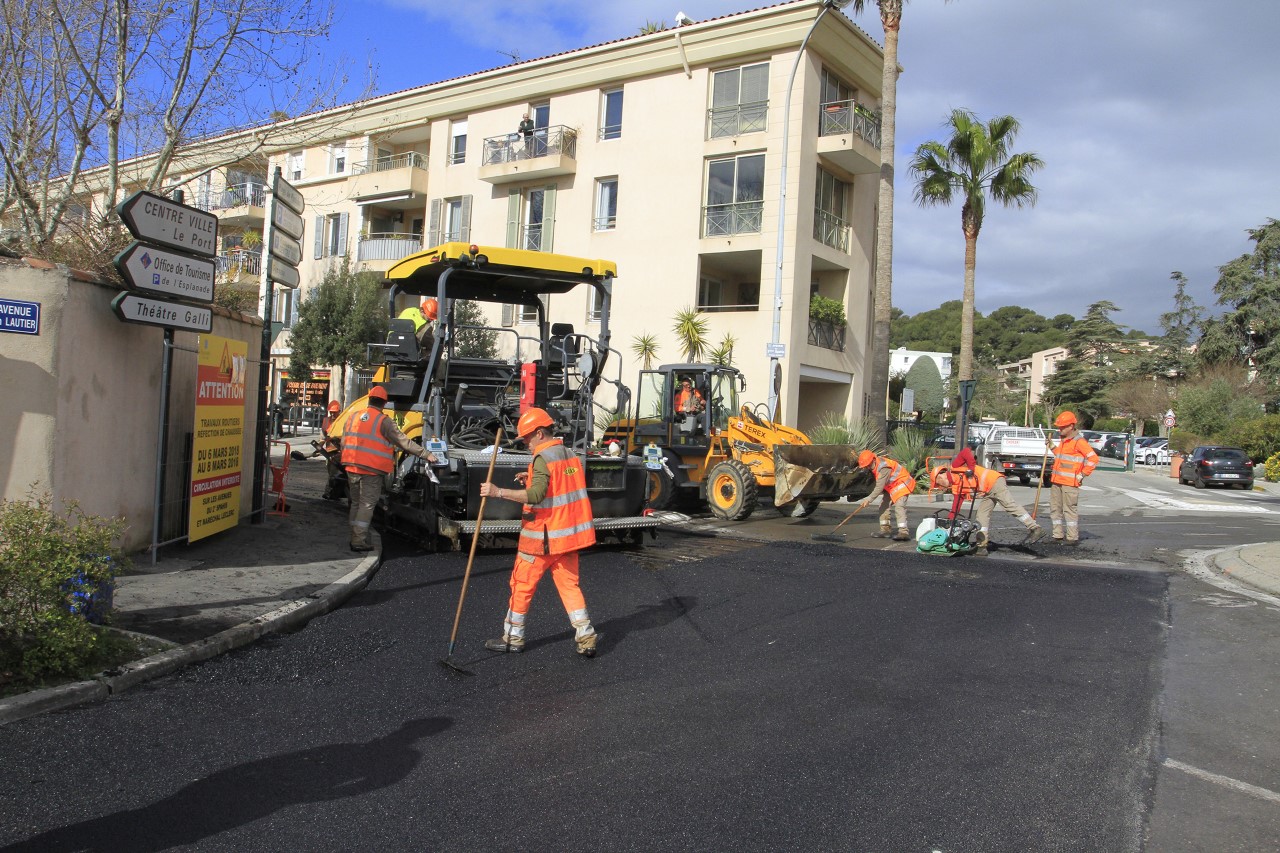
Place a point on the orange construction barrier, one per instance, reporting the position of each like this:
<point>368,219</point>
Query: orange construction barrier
<point>278,475</point>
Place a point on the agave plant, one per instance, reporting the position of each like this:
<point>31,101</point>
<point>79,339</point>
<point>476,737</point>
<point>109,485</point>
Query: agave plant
<point>835,429</point>
<point>909,448</point>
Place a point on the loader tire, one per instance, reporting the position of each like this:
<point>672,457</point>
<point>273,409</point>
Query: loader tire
<point>799,509</point>
<point>732,491</point>
<point>660,490</point>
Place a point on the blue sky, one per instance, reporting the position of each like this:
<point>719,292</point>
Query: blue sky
<point>1156,119</point>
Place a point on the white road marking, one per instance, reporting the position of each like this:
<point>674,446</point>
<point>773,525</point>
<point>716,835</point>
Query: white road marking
<point>1224,781</point>
<point>1159,501</point>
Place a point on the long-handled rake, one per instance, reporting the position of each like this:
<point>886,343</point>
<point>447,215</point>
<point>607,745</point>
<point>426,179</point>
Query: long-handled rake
<point>475,537</point>
<point>834,536</point>
<point>1044,463</point>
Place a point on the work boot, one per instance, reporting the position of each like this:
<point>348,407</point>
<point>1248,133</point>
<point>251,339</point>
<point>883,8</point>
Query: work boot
<point>903,535</point>
<point>587,645</point>
<point>505,645</point>
<point>1034,535</point>
<point>882,533</point>
<point>980,543</point>
<point>1071,542</point>
<point>361,547</point>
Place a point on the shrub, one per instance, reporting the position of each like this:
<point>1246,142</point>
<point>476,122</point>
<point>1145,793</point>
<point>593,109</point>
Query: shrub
<point>1184,441</point>
<point>1259,437</point>
<point>1271,468</point>
<point>826,310</point>
<point>1112,424</point>
<point>49,563</point>
<point>834,429</point>
<point>908,448</point>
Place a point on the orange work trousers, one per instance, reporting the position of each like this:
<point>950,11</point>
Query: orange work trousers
<point>564,571</point>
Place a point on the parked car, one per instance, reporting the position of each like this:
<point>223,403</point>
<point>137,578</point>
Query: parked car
<point>1098,440</point>
<point>1154,452</point>
<point>1212,463</point>
<point>1114,446</point>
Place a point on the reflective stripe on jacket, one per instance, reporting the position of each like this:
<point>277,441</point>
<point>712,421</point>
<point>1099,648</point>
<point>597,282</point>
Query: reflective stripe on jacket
<point>901,483</point>
<point>562,521</point>
<point>982,479</point>
<point>364,448</point>
<point>1073,459</point>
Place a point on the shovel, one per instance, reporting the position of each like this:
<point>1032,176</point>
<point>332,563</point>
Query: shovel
<point>475,537</point>
<point>833,536</point>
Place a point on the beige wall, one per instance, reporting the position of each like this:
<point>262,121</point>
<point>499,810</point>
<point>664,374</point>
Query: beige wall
<point>82,399</point>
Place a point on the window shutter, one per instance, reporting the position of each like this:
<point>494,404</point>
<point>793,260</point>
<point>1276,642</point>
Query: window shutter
<point>513,218</point>
<point>433,230</point>
<point>464,228</point>
<point>319,237</point>
<point>508,315</point>
<point>724,88</point>
<point>548,218</point>
<point>342,234</point>
<point>755,84</point>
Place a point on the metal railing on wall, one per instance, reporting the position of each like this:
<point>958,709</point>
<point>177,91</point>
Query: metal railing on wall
<point>837,117</point>
<point>721,220</point>
<point>737,119</point>
<point>407,160</point>
<point>543,142</point>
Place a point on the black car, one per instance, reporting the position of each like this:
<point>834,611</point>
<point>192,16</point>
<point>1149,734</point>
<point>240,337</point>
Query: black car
<point>1211,463</point>
<point>1114,447</point>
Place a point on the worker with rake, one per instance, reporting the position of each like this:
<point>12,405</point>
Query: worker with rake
<point>965,479</point>
<point>894,483</point>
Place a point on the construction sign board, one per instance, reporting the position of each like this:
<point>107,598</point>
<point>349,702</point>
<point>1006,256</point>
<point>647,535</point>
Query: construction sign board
<point>216,468</point>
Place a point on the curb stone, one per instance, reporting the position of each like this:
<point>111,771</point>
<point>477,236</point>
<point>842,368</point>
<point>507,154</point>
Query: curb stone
<point>104,684</point>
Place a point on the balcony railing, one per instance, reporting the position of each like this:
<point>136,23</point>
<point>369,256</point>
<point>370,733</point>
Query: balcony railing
<point>530,237</point>
<point>410,159</point>
<point>238,263</point>
<point>827,335</point>
<point>830,230</point>
<point>737,119</point>
<point>849,116</point>
<point>236,195</point>
<point>544,142</point>
<point>387,246</point>
<point>721,220</point>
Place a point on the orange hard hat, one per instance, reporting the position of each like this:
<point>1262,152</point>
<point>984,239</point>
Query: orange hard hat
<point>531,420</point>
<point>933,479</point>
<point>1065,419</point>
<point>335,406</point>
<point>430,308</point>
<point>866,459</point>
<point>377,392</point>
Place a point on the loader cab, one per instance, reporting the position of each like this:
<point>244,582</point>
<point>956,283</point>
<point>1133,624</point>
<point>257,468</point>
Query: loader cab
<point>658,418</point>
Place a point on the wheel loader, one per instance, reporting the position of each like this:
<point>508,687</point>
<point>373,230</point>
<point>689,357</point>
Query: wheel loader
<point>702,448</point>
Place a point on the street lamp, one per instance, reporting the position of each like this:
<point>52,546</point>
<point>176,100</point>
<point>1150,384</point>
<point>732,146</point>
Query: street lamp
<point>775,345</point>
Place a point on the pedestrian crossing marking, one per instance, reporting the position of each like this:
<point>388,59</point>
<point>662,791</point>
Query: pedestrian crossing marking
<point>1159,501</point>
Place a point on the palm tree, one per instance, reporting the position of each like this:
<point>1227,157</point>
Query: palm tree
<point>973,163</point>
<point>692,331</point>
<point>645,348</point>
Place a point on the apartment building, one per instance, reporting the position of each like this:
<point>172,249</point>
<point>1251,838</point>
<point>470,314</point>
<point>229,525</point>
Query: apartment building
<point>661,152</point>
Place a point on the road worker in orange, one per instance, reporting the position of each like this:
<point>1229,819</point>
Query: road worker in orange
<point>369,444</point>
<point>965,479</point>
<point>1073,460</point>
<point>895,483</point>
<point>334,487</point>
<point>557,525</point>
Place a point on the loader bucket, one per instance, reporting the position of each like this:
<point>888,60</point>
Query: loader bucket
<point>821,472</point>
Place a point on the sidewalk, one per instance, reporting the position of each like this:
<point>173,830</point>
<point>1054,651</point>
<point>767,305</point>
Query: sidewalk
<point>1256,565</point>
<point>228,590</point>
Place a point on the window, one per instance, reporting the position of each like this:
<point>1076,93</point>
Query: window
<point>606,204</point>
<point>338,158</point>
<point>294,166</point>
<point>735,196</point>
<point>715,295</point>
<point>458,143</point>
<point>595,304</point>
<point>830,223</point>
<point>531,218</point>
<point>739,100</point>
<point>531,224</point>
<point>331,235</point>
<point>833,90</point>
<point>611,114</point>
<point>450,220</point>
<point>284,306</point>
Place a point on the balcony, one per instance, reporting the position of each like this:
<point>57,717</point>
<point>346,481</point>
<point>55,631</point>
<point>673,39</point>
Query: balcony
<point>238,205</point>
<point>831,230</point>
<point>387,247</point>
<point>737,120</point>
<point>849,136</point>
<point>724,220</point>
<point>397,181</point>
<point>238,266</point>
<point>548,153</point>
<point>826,335</point>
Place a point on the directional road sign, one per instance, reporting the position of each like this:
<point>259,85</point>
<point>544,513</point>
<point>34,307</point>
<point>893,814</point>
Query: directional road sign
<point>286,248</point>
<point>156,219</point>
<point>133,308</point>
<point>167,272</point>
<point>286,220</point>
<point>283,274</point>
<point>288,195</point>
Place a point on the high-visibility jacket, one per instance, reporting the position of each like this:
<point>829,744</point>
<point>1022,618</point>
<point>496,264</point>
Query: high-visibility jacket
<point>561,522</point>
<point>325,426</point>
<point>900,484</point>
<point>983,480</point>
<point>364,450</point>
<point>415,314</point>
<point>1073,459</point>
<point>687,401</point>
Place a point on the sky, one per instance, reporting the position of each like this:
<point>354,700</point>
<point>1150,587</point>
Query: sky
<point>1157,122</point>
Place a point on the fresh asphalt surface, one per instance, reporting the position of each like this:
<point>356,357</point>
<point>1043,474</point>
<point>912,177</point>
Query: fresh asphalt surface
<point>783,696</point>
